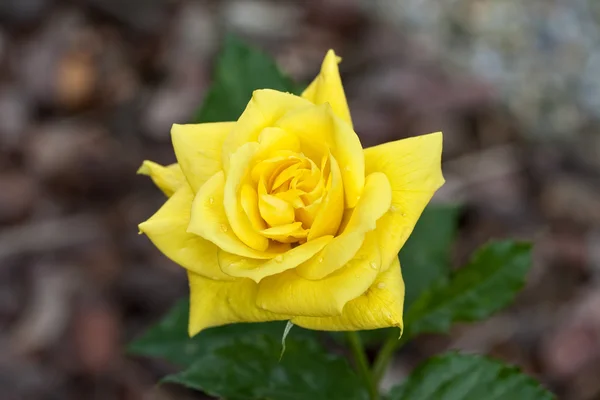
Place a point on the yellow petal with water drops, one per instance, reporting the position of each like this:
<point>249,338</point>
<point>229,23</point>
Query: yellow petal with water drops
<point>380,307</point>
<point>167,230</point>
<point>198,149</point>
<point>257,270</point>
<point>289,293</point>
<point>238,175</point>
<point>319,126</point>
<point>328,217</point>
<point>208,220</point>
<point>334,256</point>
<point>374,203</point>
<point>327,88</point>
<point>249,201</point>
<point>264,108</point>
<point>168,179</point>
<point>215,303</point>
<point>413,167</point>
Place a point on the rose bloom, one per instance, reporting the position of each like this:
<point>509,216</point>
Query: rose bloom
<point>282,215</point>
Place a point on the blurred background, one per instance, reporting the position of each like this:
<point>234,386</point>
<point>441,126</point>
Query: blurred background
<point>90,88</point>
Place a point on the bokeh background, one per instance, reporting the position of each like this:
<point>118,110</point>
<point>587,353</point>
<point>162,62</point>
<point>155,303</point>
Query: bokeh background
<point>90,88</point>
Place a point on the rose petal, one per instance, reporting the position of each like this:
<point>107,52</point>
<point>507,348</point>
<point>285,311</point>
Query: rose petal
<point>318,126</point>
<point>380,307</point>
<point>208,220</point>
<point>264,108</point>
<point>329,215</point>
<point>413,167</point>
<point>198,149</point>
<point>327,88</point>
<point>168,179</point>
<point>167,230</point>
<point>239,169</point>
<point>214,303</point>
<point>249,202</point>
<point>289,293</point>
<point>257,270</point>
<point>374,203</point>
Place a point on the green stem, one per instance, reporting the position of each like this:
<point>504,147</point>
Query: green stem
<point>385,356</point>
<point>362,364</point>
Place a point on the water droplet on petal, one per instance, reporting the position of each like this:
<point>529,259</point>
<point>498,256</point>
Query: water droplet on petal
<point>320,259</point>
<point>347,168</point>
<point>279,258</point>
<point>393,208</point>
<point>223,228</point>
<point>373,265</point>
<point>211,200</point>
<point>381,285</point>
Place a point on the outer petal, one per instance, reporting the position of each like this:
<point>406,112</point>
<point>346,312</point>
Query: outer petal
<point>198,149</point>
<point>327,88</point>
<point>319,125</point>
<point>256,270</point>
<point>288,293</point>
<point>168,179</point>
<point>214,303</point>
<point>265,107</point>
<point>209,221</point>
<point>374,203</point>
<point>238,219</point>
<point>167,230</point>
<point>380,307</point>
<point>413,167</point>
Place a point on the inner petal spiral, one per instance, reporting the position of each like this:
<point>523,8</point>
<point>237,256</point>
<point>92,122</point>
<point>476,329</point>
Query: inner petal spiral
<point>286,192</point>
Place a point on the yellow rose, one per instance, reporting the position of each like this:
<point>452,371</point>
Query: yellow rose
<point>282,215</point>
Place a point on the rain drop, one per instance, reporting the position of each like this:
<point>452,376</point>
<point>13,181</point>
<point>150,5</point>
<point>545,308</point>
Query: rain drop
<point>381,285</point>
<point>320,259</point>
<point>211,200</point>
<point>223,228</point>
<point>393,208</point>
<point>373,265</point>
<point>279,258</point>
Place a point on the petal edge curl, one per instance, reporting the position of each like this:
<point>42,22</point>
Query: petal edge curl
<point>214,303</point>
<point>167,230</point>
<point>168,179</point>
<point>327,87</point>
<point>208,220</point>
<point>380,307</point>
<point>413,167</point>
<point>289,293</point>
<point>198,149</point>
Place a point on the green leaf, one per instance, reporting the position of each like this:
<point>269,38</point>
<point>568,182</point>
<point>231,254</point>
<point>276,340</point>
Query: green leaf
<point>425,258</point>
<point>487,284</point>
<point>242,361</point>
<point>169,339</point>
<point>248,371</point>
<point>455,376</point>
<point>240,69</point>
